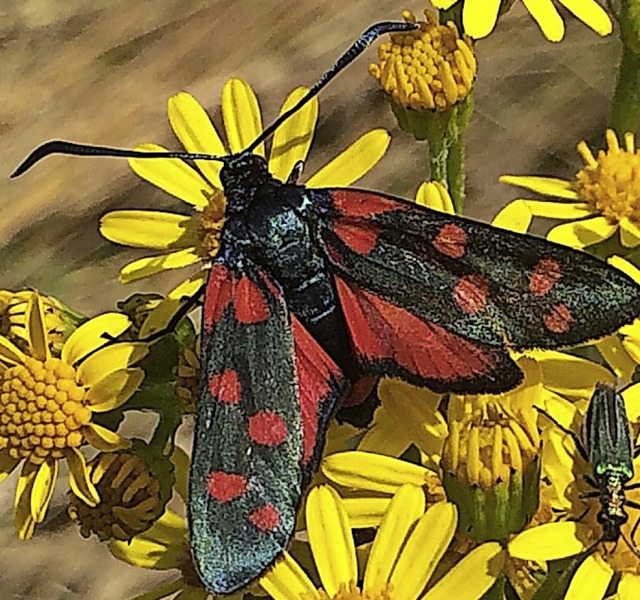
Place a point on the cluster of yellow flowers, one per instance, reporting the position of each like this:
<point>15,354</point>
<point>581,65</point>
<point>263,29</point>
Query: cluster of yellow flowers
<point>456,494</point>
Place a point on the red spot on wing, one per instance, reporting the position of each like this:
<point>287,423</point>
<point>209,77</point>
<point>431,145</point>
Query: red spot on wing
<point>451,241</point>
<point>544,276</point>
<point>354,203</point>
<point>558,319</point>
<point>265,518</point>
<point>318,379</point>
<point>380,330</point>
<point>267,428</point>
<point>226,387</point>
<point>471,293</point>
<point>226,486</point>
<point>361,237</point>
<point>251,305</point>
<point>218,294</point>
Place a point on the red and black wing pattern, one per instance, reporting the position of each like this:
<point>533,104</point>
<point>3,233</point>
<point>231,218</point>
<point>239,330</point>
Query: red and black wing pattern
<point>266,393</point>
<point>439,295</point>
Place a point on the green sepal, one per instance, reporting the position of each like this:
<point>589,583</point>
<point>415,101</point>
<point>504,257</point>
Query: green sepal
<point>495,513</point>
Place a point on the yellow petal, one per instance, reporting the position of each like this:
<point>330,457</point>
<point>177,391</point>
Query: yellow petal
<point>357,160</point>
<point>570,375</point>
<point>443,3</point>
<point>42,491</point>
<point>365,512</point>
<point>149,229</point>
<point>36,329</point>
<point>112,358</point>
<point>330,538</point>
<point>79,481</point>
<point>383,437</point>
<point>93,334</point>
<point>104,439</point>
<point>612,350</point>
<point>292,140</point>
<point>7,464</point>
<point>145,267</point>
<point>406,507</point>
<point>549,209</point>
<point>515,216</point>
<point>425,547</point>
<point>629,234</point>
<point>114,390</point>
<point>194,129</point>
<point>415,412</point>
<point>432,194</point>
<point>629,587</point>
<point>579,234</point>
<point>172,175</point>
<point>547,18</point>
<point>591,580</point>
<point>631,395</point>
<point>591,14</point>
<point>159,318</point>
<point>362,470</point>
<point>479,17</point>
<point>287,581</point>
<point>547,186</point>
<point>625,266</point>
<point>25,523</point>
<point>550,541</point>
<point>9,353</point>
<point>241,115</point>
<point>472,577</point>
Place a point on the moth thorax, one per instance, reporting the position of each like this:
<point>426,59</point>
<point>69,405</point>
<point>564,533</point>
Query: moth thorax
<point>241,176</point>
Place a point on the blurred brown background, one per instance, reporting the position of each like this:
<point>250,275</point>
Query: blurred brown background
<point>100,71</point>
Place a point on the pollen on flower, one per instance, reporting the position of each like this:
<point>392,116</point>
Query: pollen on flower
<point>129,498</point>
<point>610,183</point>
<point>210,222</point>
<point>432,67</point>
<point>42,410</point>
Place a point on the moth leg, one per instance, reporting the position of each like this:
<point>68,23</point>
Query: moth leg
<point>296,172</point>
<point>576,439</point>
<point>633,486</point>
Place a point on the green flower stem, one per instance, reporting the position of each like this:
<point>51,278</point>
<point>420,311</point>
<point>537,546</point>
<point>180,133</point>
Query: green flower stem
<point>625,106</point>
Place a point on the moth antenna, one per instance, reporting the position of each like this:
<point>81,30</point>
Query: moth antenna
<point>63,147</point>
<point>355,50</point>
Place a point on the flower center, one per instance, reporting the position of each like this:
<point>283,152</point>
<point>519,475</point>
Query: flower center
<point>610,183</point>
<point>42,410</point>
<point>431,67</point>
<point>129,498</point>
<point>353,593</point>
<point>210,222</point>
<point>188,379</point>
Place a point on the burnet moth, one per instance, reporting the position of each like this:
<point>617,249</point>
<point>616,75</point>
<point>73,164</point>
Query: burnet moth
<point>606,446</point>
<point>313,289</point>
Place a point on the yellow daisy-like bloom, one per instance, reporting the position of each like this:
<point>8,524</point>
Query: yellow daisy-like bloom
<point>579,530</point>
<point>431,67</point>
<point>47,406</point>
<point>405,553</point>
<point>186,240</point>
<point>479,16</point>
<point>604,198</point>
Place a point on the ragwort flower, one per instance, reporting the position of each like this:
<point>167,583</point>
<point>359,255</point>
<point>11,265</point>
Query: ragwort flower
<point>187,240</point>
<point>479,16</point>
<point>47,406</point>
<point>604,198</point>
<point>408,547</point>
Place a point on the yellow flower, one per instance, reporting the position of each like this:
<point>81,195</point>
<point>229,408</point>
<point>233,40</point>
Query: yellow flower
<point>479,16</point>
<point>431,67</point>
<point>186,240</point>
<point>47,406</point>
<point>604,198</point>
<point>408,547</point>
<point>579,530</point>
